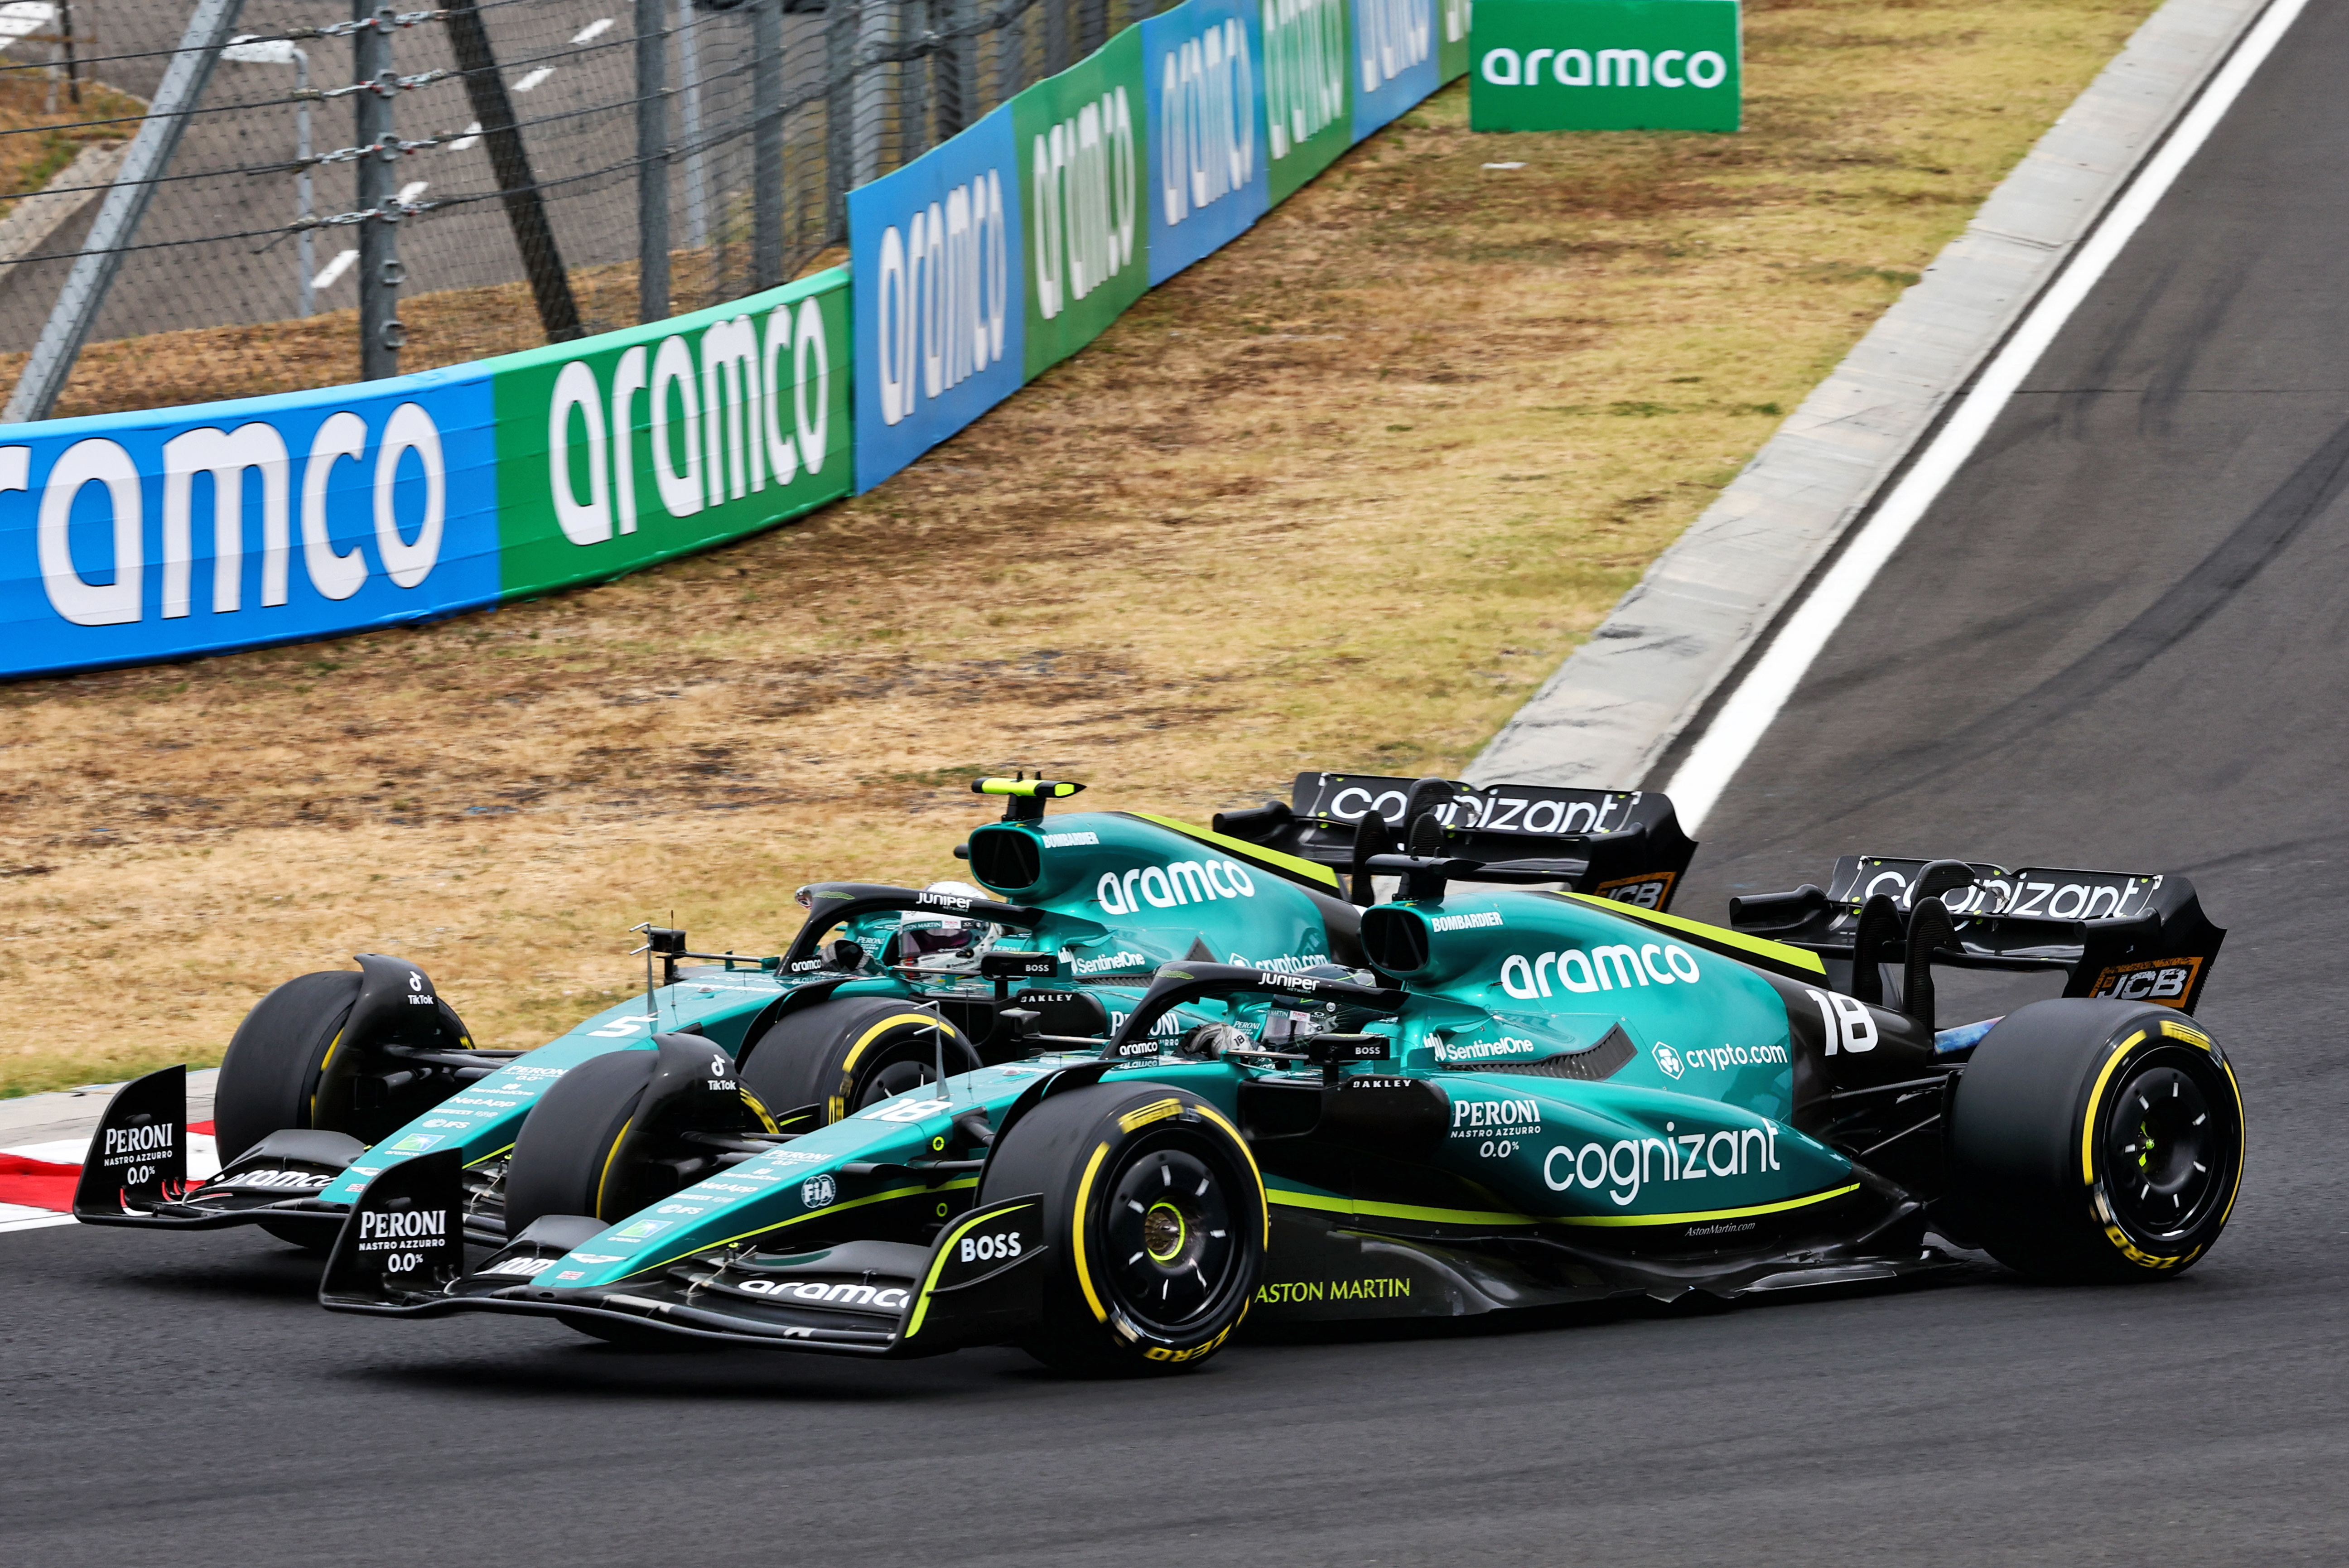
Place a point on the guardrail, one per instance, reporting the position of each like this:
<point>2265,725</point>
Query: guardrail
<point>136,538</point>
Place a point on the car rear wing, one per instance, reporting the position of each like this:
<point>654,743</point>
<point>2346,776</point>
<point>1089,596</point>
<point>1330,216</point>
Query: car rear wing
<point>1618,844</point>
<point>2140,936</point>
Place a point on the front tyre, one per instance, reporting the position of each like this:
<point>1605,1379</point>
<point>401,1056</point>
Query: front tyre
<point>269,1078</point>
<point>1154,1213</point>
<point>619,1133</point>
<point>846,1053</point>
<point>2098,1141</point>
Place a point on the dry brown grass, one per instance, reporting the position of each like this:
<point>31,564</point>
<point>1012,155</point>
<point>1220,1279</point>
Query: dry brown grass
<point>1338,496</point>
<point>35,141</point>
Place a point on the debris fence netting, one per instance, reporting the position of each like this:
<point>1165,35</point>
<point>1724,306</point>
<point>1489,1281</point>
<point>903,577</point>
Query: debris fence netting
<point>518,160</point>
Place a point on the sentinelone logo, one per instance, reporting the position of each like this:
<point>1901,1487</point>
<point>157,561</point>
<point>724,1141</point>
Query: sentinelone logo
<point>945,285</point>
<point>1605,67</point>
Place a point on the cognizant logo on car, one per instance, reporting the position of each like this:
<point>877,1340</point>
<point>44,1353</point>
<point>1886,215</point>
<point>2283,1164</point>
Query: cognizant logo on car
<point>1622,1167</point>
<point>1168,886</point>
<point>1614,967</point>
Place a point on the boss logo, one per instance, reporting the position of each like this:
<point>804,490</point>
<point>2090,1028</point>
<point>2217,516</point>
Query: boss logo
<point>987,1249</point>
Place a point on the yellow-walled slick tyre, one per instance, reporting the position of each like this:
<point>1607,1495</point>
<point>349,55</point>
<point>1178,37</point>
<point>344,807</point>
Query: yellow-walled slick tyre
<point>269,1079</point>
<point>843,1054</point>
<point>615,1134</point>
<point>2098,1141</point>
<point>319,1055</point>
<point>1154,1211</point>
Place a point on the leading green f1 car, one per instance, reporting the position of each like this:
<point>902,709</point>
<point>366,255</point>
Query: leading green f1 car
<point>338,1076</point>
<point>1525,1099</point>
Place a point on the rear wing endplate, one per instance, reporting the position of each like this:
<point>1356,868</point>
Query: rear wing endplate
<point>1625,844</point>
<point>2139,937</point>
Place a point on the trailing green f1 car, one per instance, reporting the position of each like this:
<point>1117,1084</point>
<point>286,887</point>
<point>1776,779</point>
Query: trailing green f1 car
<point>1529,1098</point>
<point>337,1077</point>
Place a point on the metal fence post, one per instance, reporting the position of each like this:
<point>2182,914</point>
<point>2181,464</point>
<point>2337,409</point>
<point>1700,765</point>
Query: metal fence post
<point>1055,37</point>
<point>652,162</point>
<point>876,29</point>
<point>697,157</point>
<point>1011,55</point>
<point>959,90</point>
<point>485,88</point>
<point>844,19</point>
<point>767,143</point>
<point>380,274</point>
<point>76,311</point>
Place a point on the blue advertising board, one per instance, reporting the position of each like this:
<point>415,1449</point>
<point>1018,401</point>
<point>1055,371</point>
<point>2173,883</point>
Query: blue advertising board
<point>1394,62</point>
<point>131,539</point>
<point>1203,72</point>
<point>938,284</point>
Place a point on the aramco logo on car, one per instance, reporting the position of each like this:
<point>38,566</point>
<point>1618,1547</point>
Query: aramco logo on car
<point>1604,65</point>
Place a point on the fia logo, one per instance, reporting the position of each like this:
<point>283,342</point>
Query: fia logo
<point>819,1191</point>
<point>1668,1059</point>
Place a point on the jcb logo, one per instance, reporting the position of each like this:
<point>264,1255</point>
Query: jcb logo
<point>1649,892</point>
<point>2166,981</point>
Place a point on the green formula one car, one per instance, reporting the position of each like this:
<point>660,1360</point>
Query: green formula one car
<point>336,1077</point>
<point>1530,1098</point>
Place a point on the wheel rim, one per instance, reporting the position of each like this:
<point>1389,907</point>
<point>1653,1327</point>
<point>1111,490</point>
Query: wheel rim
<point>906,1066</point>
<point>1170,1237</point>
<point>2167,1149</point>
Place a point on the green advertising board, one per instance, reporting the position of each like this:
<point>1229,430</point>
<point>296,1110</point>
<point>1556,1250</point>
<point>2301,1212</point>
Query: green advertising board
<point>645,443</point>
<point>1084,162</point>
<point>1452,40</point>
<point>1604,65</point>
<point>1309,92</point>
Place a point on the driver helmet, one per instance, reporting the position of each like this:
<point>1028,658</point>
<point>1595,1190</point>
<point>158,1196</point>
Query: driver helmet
<point>925,938</point>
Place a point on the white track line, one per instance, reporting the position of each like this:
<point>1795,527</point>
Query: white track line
<point>1750,709</point>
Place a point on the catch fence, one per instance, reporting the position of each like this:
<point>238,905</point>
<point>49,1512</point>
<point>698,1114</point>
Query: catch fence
<point>257,195</point>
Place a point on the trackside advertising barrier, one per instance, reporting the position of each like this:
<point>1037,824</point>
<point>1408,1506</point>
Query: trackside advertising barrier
<point>133,538</point>
<point>1209,176</point>
<point>136,538</point>
<point>625,449</point>
<point>1606,65</point>
<point>1152,153</point>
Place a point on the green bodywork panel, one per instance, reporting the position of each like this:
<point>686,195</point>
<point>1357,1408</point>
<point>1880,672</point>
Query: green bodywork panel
<point>1686,1132</point>
<point>1246,908</point>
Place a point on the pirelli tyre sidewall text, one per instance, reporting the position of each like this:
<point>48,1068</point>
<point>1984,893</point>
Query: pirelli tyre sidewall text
<point>849,1052</point>
<point>2098,1141</point>
<point>1154,1214</point>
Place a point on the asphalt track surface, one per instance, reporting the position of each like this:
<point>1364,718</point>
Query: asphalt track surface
<point>2116,643</point>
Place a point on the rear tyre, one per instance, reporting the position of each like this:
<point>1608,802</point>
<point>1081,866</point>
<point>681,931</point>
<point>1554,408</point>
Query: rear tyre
<point>847,1052</point>
<point>2098,1141</point>
<point>1154,1214</point>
